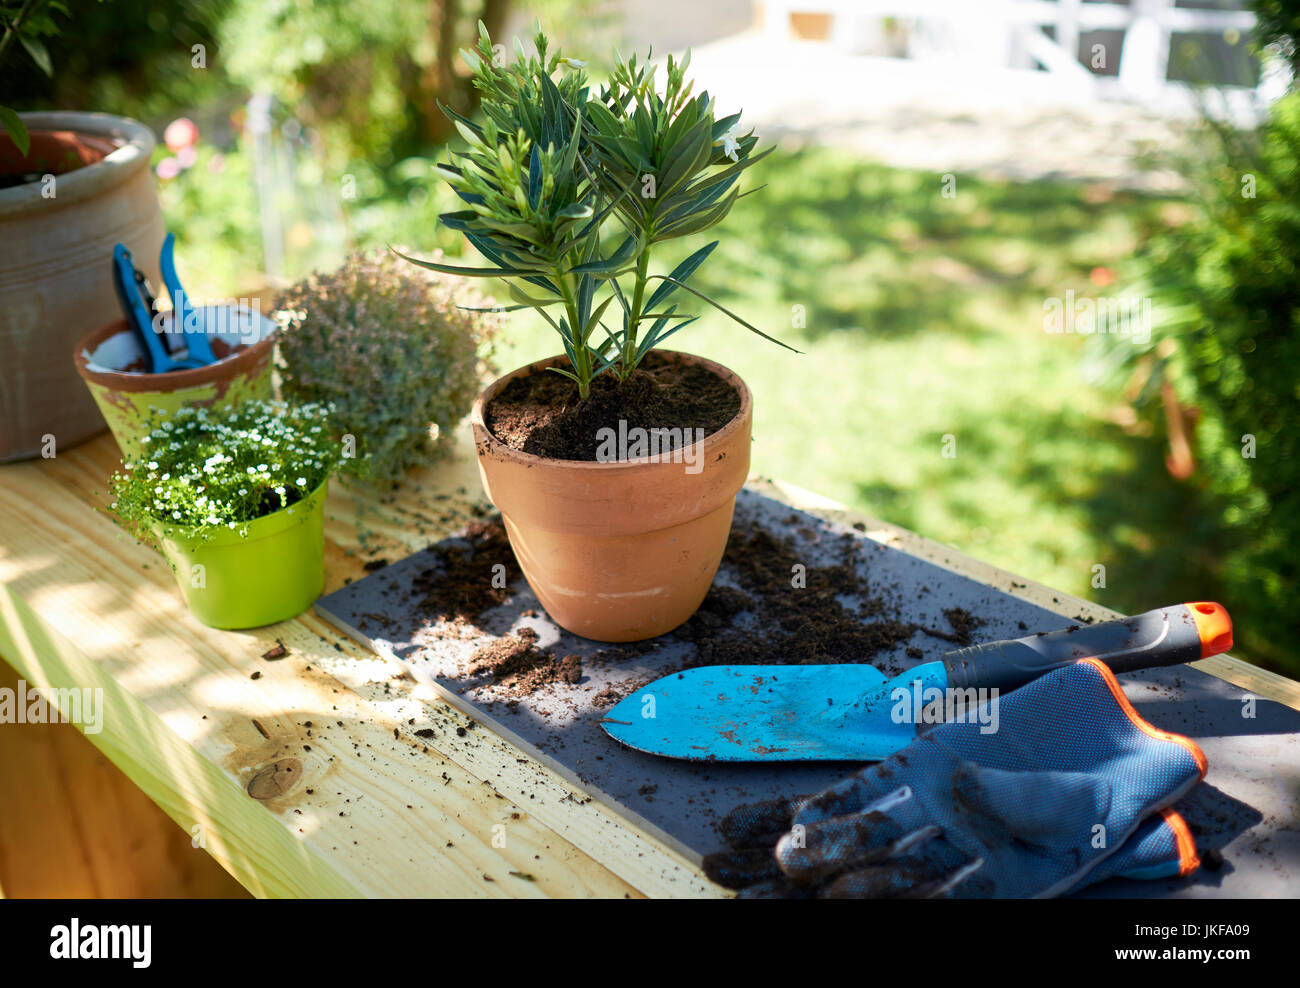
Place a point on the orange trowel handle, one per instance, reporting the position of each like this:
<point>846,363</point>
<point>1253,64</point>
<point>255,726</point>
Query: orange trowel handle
<point>1163,637</point>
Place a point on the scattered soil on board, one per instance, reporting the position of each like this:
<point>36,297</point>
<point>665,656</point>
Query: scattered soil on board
<point>784,612</point>
<point>795,624</point>
<point>472,574</point>
<point>541,413</point>
<point>519,666</point>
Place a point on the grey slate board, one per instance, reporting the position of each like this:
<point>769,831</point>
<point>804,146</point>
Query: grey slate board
<point>1248,807</point>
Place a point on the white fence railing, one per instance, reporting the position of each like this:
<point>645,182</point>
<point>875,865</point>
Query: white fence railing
<point>992,31</point>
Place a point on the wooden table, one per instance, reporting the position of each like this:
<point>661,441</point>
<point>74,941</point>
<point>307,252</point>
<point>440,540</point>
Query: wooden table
<point>229,744</point>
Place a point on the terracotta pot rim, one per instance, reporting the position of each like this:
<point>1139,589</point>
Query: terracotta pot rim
<point>498,448</point>
<point>89,180</point>
<point>237,362</point>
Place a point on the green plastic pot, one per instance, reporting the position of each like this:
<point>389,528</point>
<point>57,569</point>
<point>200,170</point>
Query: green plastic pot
<point>272,574</point>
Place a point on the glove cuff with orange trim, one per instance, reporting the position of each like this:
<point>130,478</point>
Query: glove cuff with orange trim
<point>1163,847</point>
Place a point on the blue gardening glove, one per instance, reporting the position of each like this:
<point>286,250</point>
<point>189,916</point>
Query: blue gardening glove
<point>1163,847</point>
<point>1030,810</point>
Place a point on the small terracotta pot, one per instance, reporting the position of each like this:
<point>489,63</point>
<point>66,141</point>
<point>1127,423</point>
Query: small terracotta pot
<point>128,399</point>
<point>618,551</point>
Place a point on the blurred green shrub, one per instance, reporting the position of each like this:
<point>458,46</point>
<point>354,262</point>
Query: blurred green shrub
<point>367,78</point>
<point>1278,23</point>
<point>390,347</point>
<point>124,56</point>
<point>1226,335</point>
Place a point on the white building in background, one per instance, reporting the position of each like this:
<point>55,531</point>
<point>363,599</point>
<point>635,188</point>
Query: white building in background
<point>1071,89</point>
<point>1126,50</point>
<point>1108,48</point>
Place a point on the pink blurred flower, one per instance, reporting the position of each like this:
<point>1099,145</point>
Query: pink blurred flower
<point>187,156</point>
<point>1102,276</point>
<point>168,168</point>
<point>181,133</point>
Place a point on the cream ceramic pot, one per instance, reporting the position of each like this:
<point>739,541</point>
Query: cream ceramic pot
<point>56,240</point>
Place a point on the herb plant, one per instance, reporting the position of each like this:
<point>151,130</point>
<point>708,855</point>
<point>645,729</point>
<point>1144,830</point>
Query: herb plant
<point>392,353</point>
<point>553,167</point>
<point>201,470</point>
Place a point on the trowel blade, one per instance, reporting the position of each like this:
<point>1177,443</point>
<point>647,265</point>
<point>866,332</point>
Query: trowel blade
<point>764,713</point>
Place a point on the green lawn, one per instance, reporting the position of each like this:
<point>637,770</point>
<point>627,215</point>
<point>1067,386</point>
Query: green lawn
<point>924,318</point>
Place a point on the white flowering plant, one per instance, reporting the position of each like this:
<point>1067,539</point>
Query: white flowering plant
<point>568,190</point>
<point>201,470</point>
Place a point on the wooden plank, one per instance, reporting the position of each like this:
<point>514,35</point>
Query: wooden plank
<point>359,805</point>
<point>84,605</point>
<point>74,826</point>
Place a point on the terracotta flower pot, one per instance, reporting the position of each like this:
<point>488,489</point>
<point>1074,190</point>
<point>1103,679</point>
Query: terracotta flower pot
<point>56,241</point>
<point>618,551</point>
<point>128,399</point>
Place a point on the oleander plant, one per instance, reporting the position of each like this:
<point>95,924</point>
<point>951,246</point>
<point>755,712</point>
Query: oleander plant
<point>569,190</point>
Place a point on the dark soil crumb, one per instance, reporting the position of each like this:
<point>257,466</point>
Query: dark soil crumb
<point>475,574</point>
<point>804,624</point>
<point>278,651</point>
<point>518,667</point>
<point>541,413</point>
<point>611,694</point>
<point>571,668</point>
<point>964,625</point>
<point>504,657</point>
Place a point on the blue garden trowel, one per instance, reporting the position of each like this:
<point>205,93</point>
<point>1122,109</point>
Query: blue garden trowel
<point>853,713</point>
<point>142,315</point>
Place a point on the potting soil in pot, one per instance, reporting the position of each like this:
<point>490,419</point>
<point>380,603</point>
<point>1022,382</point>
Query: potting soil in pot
<point>541,413</point>
<point>793,588</point>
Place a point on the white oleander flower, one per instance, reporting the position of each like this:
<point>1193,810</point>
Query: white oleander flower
<point>729,142</point>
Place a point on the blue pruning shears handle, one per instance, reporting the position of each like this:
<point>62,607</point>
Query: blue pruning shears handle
<point>140,309</point>
<point>196,341</point>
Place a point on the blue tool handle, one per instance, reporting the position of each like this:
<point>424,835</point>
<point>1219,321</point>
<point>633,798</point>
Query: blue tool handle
<point>1163,637</point>
<point>198,349</point>
<point>138,316</point>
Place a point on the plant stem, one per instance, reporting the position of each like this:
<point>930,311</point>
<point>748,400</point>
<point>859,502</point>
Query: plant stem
<point>581,359</point>
<point>11,30</point>
<point>628,363</point>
